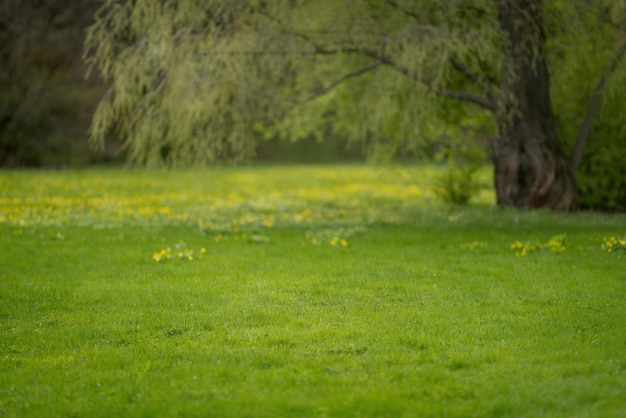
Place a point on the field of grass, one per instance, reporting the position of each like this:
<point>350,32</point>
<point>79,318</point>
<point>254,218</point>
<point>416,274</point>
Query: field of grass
<point>338,291</point>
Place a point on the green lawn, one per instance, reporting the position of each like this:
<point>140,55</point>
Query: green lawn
<point>339,291</point>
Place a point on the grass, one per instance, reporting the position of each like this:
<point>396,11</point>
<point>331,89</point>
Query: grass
<point>338,291</point>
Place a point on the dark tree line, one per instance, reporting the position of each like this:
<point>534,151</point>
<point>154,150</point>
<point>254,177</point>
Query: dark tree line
<point>46,103</point>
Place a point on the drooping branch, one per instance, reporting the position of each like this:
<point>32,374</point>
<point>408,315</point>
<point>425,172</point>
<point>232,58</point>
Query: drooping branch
<point>385,59</point>
<point>429,83</point>
<point>341,79</point>
<point>594,106</point>
<point>335,83</point>
<point>382,58</point>
<point>395,5</point>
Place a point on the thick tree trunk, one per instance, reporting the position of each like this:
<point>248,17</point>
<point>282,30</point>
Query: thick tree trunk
<point>531,170</point>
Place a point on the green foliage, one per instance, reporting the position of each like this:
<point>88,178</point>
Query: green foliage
<point>458,184</point>
<point>418,314</point>
<point>273,72</point>
<point>175,97</point>
<point>602,176</point>
<point>582,55</point>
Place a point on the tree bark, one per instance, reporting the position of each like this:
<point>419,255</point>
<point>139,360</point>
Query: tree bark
<point>531,170</point>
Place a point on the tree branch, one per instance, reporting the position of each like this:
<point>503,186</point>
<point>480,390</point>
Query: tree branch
<point>332,85</point>
<point>382,58</point>
<point>594,107</point>
<point>395,5</point>
<point>483,102</point>
<point>341,79</point>
<point>481,81</point>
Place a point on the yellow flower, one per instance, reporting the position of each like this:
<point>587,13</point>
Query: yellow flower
<point>334,241</point>
<point>202,250</point>
<point>611,244</point>
<point>344,243</point>
<point>478,244</point>
<point>556,243</point>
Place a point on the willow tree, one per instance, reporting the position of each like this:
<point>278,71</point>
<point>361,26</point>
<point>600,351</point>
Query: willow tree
<point>195,81</point>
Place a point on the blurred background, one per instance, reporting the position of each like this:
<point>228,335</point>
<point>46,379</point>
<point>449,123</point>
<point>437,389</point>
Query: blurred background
<point>47,102</point>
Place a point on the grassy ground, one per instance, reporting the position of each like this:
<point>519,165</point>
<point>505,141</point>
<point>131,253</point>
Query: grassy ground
<point>301,291</point>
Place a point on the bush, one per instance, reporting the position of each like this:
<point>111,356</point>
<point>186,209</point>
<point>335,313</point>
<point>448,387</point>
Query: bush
<point>459,182</point>
<point>601,177</point>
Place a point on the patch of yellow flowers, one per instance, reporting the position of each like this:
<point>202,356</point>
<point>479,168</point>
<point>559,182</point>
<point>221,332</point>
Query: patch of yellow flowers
<point>338,241</point>
<point>556,244</point>
<point>179,253</point>
<point>476,244</point>
<point>335,237</point>
<point>612,244</point>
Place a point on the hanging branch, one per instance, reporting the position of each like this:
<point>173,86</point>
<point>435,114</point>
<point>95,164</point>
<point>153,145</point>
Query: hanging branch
<point>382,58</point>
<point>343,78</point>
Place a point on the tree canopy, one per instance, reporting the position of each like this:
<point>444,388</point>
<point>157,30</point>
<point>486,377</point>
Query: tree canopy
<point>200,81</point>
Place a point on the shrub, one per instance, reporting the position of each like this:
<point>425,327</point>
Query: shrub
<point>459,183</point>
<point>601,177</point>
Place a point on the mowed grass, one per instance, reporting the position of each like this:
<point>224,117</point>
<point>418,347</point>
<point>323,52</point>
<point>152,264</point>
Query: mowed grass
<point>340,291</point>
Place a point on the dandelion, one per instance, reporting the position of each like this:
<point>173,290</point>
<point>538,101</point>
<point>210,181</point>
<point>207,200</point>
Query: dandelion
<point>334,241</point>
<point>556,243</point>
<point>343,242</point>
<point>183,255</point>
<point>163,254</point>
<point>478,244</point>
<point>523,249</point>
<point>612,244</point>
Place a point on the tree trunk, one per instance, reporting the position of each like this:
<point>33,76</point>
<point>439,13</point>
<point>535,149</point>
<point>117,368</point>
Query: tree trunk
<point>531,170</point>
